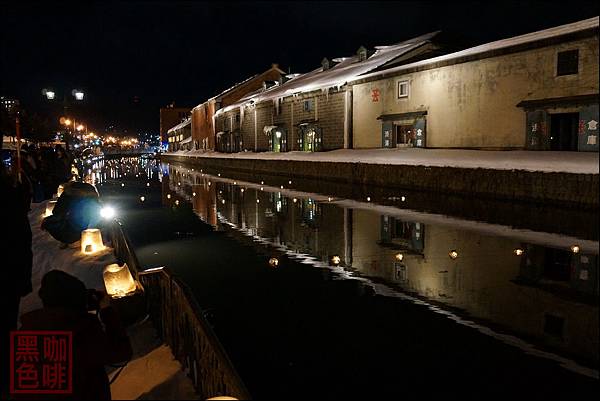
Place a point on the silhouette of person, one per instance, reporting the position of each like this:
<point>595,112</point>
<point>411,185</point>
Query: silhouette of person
<point>98,339</point>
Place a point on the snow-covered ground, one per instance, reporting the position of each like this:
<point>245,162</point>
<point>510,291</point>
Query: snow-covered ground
<point>567,162</point>
<point>153,373</point>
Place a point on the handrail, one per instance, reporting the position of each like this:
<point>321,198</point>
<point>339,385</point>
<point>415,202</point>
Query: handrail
<point>180,323</point>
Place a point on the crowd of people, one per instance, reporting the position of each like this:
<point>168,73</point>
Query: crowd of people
<point>45,168</point>
<point>65,298</point>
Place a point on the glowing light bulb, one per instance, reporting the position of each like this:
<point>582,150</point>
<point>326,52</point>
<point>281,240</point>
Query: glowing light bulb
<point>575,248</point>
<point>142,198</point>
<point>399,257</point>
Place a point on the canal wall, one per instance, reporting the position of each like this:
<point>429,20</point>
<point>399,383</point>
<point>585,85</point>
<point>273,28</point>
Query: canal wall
<point>180,323</point>
<point>565,189</point>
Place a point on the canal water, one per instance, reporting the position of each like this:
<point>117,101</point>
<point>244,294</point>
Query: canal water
<point>332,295</point>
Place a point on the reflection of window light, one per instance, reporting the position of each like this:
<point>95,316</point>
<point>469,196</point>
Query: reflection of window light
<point>278,206</point>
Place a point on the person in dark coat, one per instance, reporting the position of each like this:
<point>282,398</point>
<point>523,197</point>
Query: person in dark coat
<point>15,248</point>
<point>98,340</point>
<point>77,208</point>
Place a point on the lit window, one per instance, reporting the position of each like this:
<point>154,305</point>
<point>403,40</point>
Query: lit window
<point>402,89</point>
<point>567,62</point>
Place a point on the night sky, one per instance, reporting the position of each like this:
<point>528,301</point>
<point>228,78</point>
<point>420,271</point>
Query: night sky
<point>188,51</point>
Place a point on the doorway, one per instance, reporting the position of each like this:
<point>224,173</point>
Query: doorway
<point>403,135</point>
<point>563,131</point>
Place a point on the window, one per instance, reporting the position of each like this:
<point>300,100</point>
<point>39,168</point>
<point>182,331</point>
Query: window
<point>402,89</point>
<point>308,105</point>
<point>567,62</point>
<point>237,118</point>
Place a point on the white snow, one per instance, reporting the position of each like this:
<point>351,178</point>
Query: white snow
<point>567,162</point>
<point>153,373</point>
<point>180,125</point>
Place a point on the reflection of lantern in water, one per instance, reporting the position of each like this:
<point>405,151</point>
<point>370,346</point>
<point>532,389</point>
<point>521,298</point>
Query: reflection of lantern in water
<point>453,254</point>
<point>222,397</point>
<point>118,281</point>
<point>91,241</point>
<point>60,190</point>
<point>49,208</point>
<point>273,262</point>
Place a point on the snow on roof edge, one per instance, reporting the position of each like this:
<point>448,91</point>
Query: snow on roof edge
<point>180,125</point>
<point>556,31</point>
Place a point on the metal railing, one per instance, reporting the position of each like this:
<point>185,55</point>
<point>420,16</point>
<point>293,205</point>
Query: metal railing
<point>180,324</point>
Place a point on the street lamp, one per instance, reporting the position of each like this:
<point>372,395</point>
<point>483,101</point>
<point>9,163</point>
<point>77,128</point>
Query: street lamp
<point>78,94</point>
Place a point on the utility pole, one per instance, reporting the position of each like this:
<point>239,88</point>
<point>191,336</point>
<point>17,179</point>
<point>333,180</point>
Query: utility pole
<point>18,134</point>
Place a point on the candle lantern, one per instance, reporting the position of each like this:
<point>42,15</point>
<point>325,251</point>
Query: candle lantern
<point>91,241</point>
<point>118,281</point>
<point>50,208</point>
<point>60,190</point>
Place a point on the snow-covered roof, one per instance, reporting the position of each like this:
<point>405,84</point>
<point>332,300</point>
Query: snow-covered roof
<point>346,69</point>
<point>180,125</point>
<point>554,32</point>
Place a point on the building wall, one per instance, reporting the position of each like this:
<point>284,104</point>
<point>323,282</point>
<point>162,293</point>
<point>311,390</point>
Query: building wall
<point>474,104</point>
<point>202,125</point>
<point>327,113</point>
<point>170,117</point>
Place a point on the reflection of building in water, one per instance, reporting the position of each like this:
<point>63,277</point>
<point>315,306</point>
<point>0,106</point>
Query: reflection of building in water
<point>544,293</point>
<point>204,202</point>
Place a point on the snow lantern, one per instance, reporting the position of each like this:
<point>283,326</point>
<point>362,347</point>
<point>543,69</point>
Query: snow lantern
<point>118,281</point>
<point>60,190</point>
<point>222,397</point>
<point>91,241</point>
<point>50,208</point>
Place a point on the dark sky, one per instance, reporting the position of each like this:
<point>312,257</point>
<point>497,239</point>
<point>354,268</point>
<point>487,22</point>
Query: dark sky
<point>188,51</point>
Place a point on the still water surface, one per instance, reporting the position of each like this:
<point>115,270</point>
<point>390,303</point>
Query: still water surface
<point>317,294</point>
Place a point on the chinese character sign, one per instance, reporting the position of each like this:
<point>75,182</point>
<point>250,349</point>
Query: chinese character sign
<point>41,362</point>
<point>375,95</point>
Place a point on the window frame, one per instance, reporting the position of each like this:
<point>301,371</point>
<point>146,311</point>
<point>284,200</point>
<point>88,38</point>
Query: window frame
<point>398,85</point>
<point>557,63</point>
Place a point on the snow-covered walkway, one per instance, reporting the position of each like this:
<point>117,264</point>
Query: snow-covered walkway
<point>153,373</point>
<point>568,162</point>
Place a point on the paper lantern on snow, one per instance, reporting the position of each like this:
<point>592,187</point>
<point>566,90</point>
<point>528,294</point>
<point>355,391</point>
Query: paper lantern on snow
<point>91,241</point>
<point>118,281</point>
<point>50,208</point>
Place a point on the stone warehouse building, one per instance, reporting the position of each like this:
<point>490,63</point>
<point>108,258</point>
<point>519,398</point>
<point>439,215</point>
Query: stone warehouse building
<point>313,111</point>
<point>180,136</point>
<point>537,91</point>
<point>204,132</point>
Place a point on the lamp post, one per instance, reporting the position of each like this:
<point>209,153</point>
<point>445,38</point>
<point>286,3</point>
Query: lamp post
<point>77,94</point>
